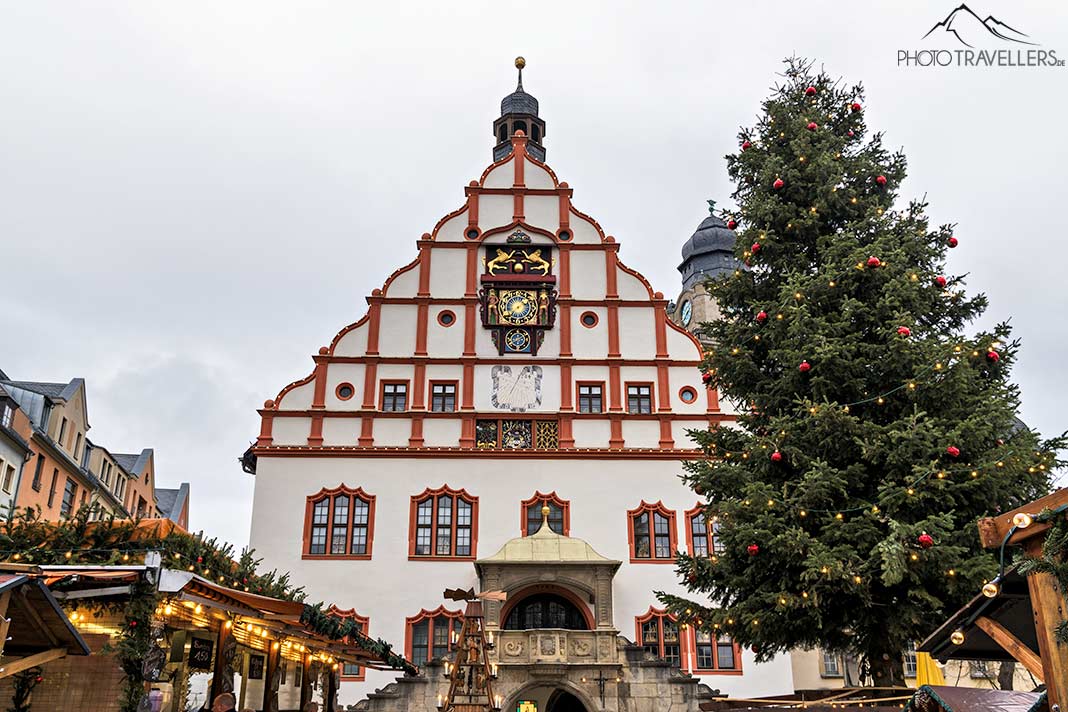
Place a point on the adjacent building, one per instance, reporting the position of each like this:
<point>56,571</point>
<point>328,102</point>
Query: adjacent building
<point>514,364</point>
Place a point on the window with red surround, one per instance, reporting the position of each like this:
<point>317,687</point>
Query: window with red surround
<point>443,525</point>
<point>713,654</point>
<point>349,671</point>
<point>339,524</point>
<point>590,396</point>
<point>559,514</point>
<point>658,633</point>
<point>394,396</point>
<point>443,396</point>
<point>651,529</point>
<point>701,533</point>
<point>640,398</point>
<point>428,636</point>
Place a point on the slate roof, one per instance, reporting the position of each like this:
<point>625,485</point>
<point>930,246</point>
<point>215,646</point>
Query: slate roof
<point>171,501</point>
<point>134,464</point>
<point>55,391</point>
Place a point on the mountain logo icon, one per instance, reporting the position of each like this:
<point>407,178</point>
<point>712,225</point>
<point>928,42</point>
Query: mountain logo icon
<point>967,27</point>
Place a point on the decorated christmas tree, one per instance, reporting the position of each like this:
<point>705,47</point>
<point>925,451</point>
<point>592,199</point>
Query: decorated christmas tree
<point>873,431</point>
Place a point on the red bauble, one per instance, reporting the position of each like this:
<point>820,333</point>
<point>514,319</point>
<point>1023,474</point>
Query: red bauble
<point>904,331</point>
<point>706,378</point>
<point>745,145</point>
<point>731,224</point>
<point>850,133</point>
<point>133,624</point>
<point>855,106</point>
<point>777,184</point>
<point>881,180</point>
<point>874,262</point>
<point>925,540</point>
<point>200,559</point>
<point>753,549</point>
<point>993,356</point>
<point>776,456</point>
<point>952,242</point>
<point>953,451</point>
<point>761,317</point>
<point>811,91</point>
<point>38,679</point>
<point>755,248</point>
<point>804,367</point>
<point>692,578</point>
<point>812,126</point>
<point>1000,442</point>
<point>940,281</point>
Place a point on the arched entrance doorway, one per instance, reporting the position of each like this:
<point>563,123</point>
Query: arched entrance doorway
<point>557,696</point>
<point>564,701</point>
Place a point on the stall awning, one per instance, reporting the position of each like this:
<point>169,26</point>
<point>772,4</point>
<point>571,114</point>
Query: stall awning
<point>37,621</point>
<point>931,698</point>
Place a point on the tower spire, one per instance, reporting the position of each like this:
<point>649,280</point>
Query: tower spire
<point>519,112</point>
<point>519,64</point>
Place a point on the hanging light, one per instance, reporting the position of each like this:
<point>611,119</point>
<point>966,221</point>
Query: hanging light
<point>957,637</point>
<point>992,588</point>
<point>1022,520</point>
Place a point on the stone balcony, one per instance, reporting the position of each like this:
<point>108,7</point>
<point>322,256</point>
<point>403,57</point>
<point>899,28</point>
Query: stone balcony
<point>557,646</point>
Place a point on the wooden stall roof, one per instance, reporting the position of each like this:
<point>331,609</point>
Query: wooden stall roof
<point>940,698</point>
<point>37,622</point>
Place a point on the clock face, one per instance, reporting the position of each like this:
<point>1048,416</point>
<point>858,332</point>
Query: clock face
<point>516,341</point>
<point>518,307</point>
<point>687,312</point>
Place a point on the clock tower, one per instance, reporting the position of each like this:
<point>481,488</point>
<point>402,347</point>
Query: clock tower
<point>708,254</point>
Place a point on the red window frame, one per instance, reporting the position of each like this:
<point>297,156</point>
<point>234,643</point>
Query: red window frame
<point>714,547</point>
<point>661,615</point>
<point>538,500</point>
<point>329,495</point>
<point>639,384</point>
<point>652,510</point>
<point>438,616</point>
<point>578,396</point>
<point>364,623</point>
<point>407,395</point>
<point>455,395</point>
<point>691,636</point>
<point>413,525</point>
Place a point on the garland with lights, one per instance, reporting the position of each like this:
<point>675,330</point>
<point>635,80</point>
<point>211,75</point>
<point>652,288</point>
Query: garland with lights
<point>320,621</point>
<point>1054,559</point>
<point>872,432</point>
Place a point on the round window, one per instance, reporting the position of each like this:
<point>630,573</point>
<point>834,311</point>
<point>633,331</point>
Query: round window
<point>565,235</point>
<point>345,391</point>
<point>472,233</point>
<point>588,319</point>
<point>446,318</point>
<point>687,394</point>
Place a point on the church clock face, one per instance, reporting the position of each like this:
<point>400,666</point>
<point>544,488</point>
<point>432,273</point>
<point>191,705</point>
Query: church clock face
<point>518,306</point>
<point>687,312</point>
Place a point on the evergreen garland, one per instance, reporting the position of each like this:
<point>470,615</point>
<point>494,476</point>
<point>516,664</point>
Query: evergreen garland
<point>1054,560</point>
<point>321,622</point>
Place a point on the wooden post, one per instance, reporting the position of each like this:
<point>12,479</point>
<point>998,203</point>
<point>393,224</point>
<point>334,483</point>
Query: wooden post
<point>5,622</point>
<point>331,690</point>
<point>305,680</point>
<point>270,678</point>
<point>222,675</point>
<point>1047,604</point>
<point>244,681</point>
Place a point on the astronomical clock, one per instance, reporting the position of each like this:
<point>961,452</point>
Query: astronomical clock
<point>518,295</point>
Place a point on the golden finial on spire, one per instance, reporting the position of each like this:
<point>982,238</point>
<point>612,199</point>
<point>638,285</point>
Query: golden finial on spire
<point>520,62</point>
<point>545,510</point>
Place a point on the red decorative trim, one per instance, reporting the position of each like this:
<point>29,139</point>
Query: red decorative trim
<point>582,319</point>
<point>519,148</point>
<point>539,164</point>
<point>615,451</point>
<point>638,276</point>
<point>663,385</point>
<point>449,313</point>
<point>611,259</point>
<point>424,267</point>
<point>395,382</point>
<point>565,268</point>
<point>444,382</point>
<point>364,623</point>
<point>468,401</point>
<point>367,427</point>
<point>469,330</point>
<point>660,614</point>
<point>667,440</point>
<point>295,384</point>
<point>315,437</point>
<point>540,499</point>
<point>471,290</point>
<point>467,432</point>
<point>660,314</point>
<point>657,508</point>
<point>565,330</point>
<point>440,223</point>
<point>613,331</point>
<point>715,418</point>
<point>330,494</point>
<point>354,325</point>
<point>688,390</point>
<point>444,490</point>
<point>566,402</point>
<point>375,315</point>
<point>422,319</point>
<point>417,401</point>
<point>578,396</point>
<point>416,437</point>
<point>626,394</point>
<point>453,618</point>
<point>456,361</point>
<point>614,402</point>
<point>370,377</point>
<point>518,223</point>
<point>538,588</point>
<point>566,439</point>
<point>266,429</point>
<point>615,437</point>
<point>344,384</point>
<point>319,394</point>
<point>596,226</point>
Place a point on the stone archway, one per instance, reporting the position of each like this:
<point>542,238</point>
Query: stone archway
<point>563,701</point>
<point>559,695</point>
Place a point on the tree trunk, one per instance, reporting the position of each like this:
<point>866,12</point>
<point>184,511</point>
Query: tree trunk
<point>885,669</point>
<point>1006,673</point>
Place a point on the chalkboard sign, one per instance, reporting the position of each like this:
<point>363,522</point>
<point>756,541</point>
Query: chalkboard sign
<point>255,667</point>
<point>200,653</point>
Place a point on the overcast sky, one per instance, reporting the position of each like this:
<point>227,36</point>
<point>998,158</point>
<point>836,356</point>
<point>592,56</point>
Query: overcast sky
<point>195,196</point>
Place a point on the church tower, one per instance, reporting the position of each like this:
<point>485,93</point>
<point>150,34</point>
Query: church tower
<point>708,254</point>
<point>519,112</point>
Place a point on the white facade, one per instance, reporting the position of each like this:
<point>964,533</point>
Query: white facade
<point>334,429</point>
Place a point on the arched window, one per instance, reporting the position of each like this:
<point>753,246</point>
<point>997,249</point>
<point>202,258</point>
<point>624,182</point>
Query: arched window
<point>519,126</point>
<point>535,132</point>
<point>658,633</point>
<point>351,671</point>
<point>714,653</point>
<point>502,133</point>
<point>559,514</point>
<point>443,525</point>
<point>651,528</point>
<point>545,610</point>
<point>702,533</point>
<point>428,635</point>
<point>339,523</point>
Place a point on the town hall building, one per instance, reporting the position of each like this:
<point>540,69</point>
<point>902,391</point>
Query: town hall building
<point>509,414</point>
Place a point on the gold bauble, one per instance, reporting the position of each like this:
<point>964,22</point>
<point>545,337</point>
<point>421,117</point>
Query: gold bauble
<point>520,62</point>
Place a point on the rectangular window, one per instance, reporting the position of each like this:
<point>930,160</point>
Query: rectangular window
<point>699,535</point>
<point>7,414</point>
<point>831,665</point>
<point>442,397</point>
<point>70,490</point>
<point>78,446</point>
<point>444,545</point>
<point>320,519</point>
<point>591,397</point>
<point>420,642</point>
<point>52,488</point>
<point>424,525</point>
<point>443,525</point>
<point>641,536</point>
<point>361,517</point>
<point>62,431</point>
<point>463,528</point>
<point>394,397</point>
<point>639,399</point>
<point>705,650</point>
<point>910,660</point>
<point>9,478</point>
<point>662,536</point>
<point>341,524</point>
<point>37,473</point>
<point>725,658</point>
<point>660,637</point>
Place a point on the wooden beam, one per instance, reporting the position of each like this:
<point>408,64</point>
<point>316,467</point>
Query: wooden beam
<point>1011,644</point>
<point>17,666</point>
<point>5,622</point>
<point>1049,608</point>
<point>305,680</point>
<point>35,618</point>
<point>91,593</point>
<point>992,530</point>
